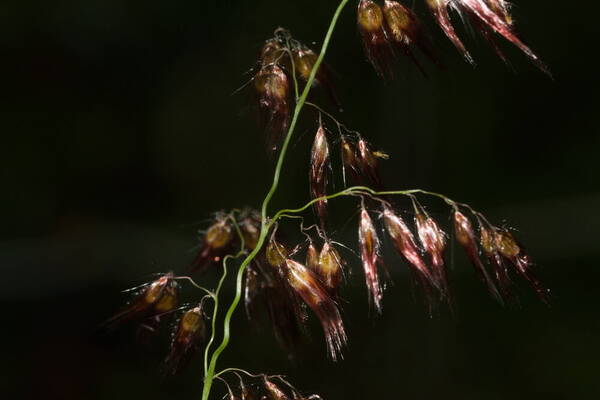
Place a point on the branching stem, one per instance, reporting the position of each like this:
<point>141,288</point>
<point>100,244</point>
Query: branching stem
<point>265,224</point>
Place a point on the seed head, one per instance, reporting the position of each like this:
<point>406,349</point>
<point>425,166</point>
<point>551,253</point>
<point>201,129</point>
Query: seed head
<point>189,334</point>
<point>272,89</point>
<point>433,240</point>
<point>276,253</point>
<point>307,285</point>
<point>282,305</point>
<point>272,52</point>
<point>487,16</point>
<point>404,243</point>
<point>330,267</point>
<point>350,167</point>
<point>371,25</point>
<point>368,243</point>
<point>487,240</point>
<point>405,31</point>
<point>169,299</point>
<point>513,252</point>
<point>152,299</point>
<point>367,161</point>
<point>215,243</point>
<point>250,226</point>
<point>304,62</point>
<point>465,236</point>
<point>319,163</point>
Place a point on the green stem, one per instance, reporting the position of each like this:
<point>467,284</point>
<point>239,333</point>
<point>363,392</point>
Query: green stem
<point>265,224</point>
<point>215,295</point>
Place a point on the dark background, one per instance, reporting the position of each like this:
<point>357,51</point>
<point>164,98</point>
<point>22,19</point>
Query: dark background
<point>120,137</point>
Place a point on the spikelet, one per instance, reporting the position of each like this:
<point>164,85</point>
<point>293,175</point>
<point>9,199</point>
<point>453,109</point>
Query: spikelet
<point>162,292</point>
<point>368,244</point>
<point>513,252</point>
<point>350,167</point>
<point>249,222</point>
<point>319,164</point>
<point>367,161</point>
<point>498,23</point>
<point>304,62</point>
<point>465,236</point>
<point>404,243</point>
<point>189,334</point>
<point>371,25</point>
<point>330,267</point>
<point>307,285</point>
<point>439,9</point>
<point>215,243</point>
<point>488,245</point>
<point>433,240</point>
<point>272,53</point>
<point>405,31</point>
<point>282,306</point>
<point>272,89</point>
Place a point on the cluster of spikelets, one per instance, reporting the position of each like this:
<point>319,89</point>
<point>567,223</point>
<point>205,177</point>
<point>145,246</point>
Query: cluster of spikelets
<point>281,61</point>
<point>388,27</point>
<point>265,387</point>
<point>289,280</point>
<point>158,303</point>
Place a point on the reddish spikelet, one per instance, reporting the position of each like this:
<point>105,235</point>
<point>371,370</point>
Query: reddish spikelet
<point>308,286</point>
<point>304,62</point>
<point>466,238</point>
<point>152,299</point>
<point>404,243</point>
<point>252,289</point>
<point>215,243</point>
<point>497,22</point>
<point>371,26</point>
<point>272,89</point>
<point>282,306</point>
<point>189,334</point>
<point>350,167</point>
<point>367,162</point>
<point>272,52</point>
<point>319,163</point>
<point>368,243</point>
<point>488,244</point>
<point>285,313</point>
<point>249,223</point>
<point>439,9</point>
<point>312,257</point>
<point>276,253</point>
<point>330,268</point>
<point>509,249</point>
<point>275,393</point>
<point>433,240</point>
<point>405,31</point>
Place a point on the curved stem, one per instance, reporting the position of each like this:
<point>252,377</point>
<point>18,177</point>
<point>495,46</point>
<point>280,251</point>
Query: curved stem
<point>265,224</point>
<point>215,296</point>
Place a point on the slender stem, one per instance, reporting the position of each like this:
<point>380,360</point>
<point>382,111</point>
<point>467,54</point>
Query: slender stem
<point>215,296</point>
<point>265,224</point>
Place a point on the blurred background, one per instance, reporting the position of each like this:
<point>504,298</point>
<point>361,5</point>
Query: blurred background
<point>121,134</point>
